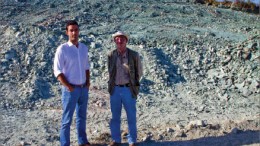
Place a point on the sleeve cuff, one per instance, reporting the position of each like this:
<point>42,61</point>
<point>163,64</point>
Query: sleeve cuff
<point>57,73</point>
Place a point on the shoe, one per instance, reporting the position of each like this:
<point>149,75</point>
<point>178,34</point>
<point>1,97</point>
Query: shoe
<point>133,144</point>
<point>87,144</point>
<point>114,144</point>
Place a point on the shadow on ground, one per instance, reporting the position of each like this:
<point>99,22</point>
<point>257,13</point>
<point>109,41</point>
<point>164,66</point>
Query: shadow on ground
<point>248,137</point>
<point>171,76</point>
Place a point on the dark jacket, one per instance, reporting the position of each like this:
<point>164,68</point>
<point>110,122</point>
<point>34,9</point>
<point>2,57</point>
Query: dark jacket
<point>133,59</point>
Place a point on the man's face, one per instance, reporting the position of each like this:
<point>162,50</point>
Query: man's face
<point>73,33</point>
<point>120,41</point>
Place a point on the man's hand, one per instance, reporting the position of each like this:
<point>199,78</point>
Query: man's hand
<point>61,77</point>
<point>70,88</point>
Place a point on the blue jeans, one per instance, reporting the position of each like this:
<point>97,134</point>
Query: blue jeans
<point>123,96</point>
<point>77,99</point>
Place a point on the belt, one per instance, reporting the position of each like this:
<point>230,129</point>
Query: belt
<point>124,85</point>
<point>79,86</point>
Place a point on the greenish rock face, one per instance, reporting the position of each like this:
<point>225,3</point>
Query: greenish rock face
<point>201,70</point>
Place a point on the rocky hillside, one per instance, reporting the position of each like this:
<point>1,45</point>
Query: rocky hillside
<point>201,63</point>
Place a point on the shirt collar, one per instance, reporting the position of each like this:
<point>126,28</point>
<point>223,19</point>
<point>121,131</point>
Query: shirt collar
<point>70,44</point>
<point>124,55</point>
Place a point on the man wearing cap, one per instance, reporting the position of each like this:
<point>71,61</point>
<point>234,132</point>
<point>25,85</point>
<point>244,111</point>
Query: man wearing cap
<point>125,71</point>
<point>71,67</point>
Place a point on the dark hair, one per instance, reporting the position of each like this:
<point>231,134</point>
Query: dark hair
<point>71,22</point>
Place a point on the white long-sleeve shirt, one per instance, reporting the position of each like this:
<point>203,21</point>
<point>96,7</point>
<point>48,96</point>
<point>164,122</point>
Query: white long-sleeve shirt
<point>72,62</point>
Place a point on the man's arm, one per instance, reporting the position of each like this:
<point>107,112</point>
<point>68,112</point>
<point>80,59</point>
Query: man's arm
<point>87,78</point>
<point>64,82</point>
<point>57,67</point>
<point>108,60</point>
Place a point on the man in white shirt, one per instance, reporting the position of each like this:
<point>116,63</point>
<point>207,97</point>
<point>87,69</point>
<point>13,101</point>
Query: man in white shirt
<point>71,67</point>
